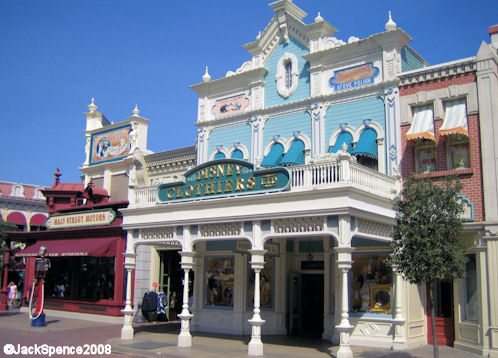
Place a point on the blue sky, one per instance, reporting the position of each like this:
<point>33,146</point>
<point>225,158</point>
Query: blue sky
<point>56,55</point>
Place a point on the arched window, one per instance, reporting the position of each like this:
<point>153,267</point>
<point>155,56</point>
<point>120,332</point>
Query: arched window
<point>219,155</point>
<point>343,138</point>
<point>288,74</point>
<point>295,154</point>
<point>365,150</point>
<point>274,156</point>
<point>237,154</point>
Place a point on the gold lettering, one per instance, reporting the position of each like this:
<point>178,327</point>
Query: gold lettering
<point>218,187</point>
<point>179,193</point>
<point>229,170</point>
<point>268,181</point>
<point>209,188</point>
<point>251,183</point>
<point>189,189</point>
<point>202,174</point>
<point>228,186</point>
<point>239,184</point>
<point>238,167</point>
<point>220,170</point>
<point>171,193</point>
<point>198,189</point>
<point>212,172</point>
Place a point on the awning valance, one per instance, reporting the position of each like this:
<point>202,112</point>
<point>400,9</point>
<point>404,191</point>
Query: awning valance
<point>455,119</point>
<point>423,124</point>
<point>295,154</point>
<point>367,144</point>
<point>102,247</point>
<point>274,157</point>
<point>342,138</point>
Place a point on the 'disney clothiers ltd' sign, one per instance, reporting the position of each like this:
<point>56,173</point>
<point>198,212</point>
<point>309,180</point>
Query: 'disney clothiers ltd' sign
<point>221,178</point>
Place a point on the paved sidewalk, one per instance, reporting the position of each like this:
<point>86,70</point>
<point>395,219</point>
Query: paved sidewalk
<point>159,340</point>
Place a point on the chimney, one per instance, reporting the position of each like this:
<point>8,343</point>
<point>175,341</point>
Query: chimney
<point>493,32</point>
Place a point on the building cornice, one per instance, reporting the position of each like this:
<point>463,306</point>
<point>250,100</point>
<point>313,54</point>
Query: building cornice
<point>439,71</point>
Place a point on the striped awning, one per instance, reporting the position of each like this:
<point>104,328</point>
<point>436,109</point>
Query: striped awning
<point>342,138</point>
<point>295,154</point>
<point>274,157</point>
<point>455,119</point>
<point>423,124</point>
<point>367,144</point>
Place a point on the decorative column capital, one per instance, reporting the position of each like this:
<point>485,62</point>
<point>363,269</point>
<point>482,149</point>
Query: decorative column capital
<point>187,261</point>
<point>257,259</point>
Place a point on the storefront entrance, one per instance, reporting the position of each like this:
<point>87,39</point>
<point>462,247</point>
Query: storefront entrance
<point>306,305</point>
<point>445,328</point>
<point>170,282</point>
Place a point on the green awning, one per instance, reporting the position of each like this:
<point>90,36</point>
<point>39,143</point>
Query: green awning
<point>274,157</point>
<point>295,154</point>
<point>342,138</point>
<point>367,145</point>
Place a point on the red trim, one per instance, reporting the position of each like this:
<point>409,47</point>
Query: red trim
<point>101,247</point>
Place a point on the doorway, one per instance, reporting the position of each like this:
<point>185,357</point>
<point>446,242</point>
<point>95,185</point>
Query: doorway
<point>306,305</point>
<point>445,328</point>
<point>170,282</point>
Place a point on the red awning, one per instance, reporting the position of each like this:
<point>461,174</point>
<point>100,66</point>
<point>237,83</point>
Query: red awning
<point>105,247</point>
<point>38,219</point>
<point>17,218</point>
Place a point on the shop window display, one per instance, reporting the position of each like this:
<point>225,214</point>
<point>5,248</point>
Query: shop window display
<point>370,285</point>
<point>81,278</point>
<point>219,281</point>
<point>470,309</point>
<point>266,286</point>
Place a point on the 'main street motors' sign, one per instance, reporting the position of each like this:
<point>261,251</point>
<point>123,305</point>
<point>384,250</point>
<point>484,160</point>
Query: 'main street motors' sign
<point>224,177</point>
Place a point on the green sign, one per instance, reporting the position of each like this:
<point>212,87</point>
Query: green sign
<point>222,178</point>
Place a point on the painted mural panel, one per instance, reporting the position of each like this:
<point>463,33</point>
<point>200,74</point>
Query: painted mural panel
<point>110,145</point>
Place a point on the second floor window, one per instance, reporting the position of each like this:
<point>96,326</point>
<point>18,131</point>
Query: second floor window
<point>288,74</point>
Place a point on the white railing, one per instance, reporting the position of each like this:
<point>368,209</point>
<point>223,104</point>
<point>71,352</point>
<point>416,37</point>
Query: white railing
<point>309,177</point>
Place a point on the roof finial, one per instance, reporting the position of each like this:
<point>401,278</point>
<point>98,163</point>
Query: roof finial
<point>57,175</point>
<point>319,17</point>
<point>136,111</point>
<point>390,24</point>
<point>92,106</point>
<point>206,77</point>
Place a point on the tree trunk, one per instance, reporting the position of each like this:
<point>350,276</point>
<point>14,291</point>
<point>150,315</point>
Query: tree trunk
<point>432,289</point>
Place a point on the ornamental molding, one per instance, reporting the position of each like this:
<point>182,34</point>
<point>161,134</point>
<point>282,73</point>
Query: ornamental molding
<point>298,225</point>
<point>220,230</point>
<point>373,228</point>
<point>162,233</point>
<point>438,71</point>
<point>282,89</point>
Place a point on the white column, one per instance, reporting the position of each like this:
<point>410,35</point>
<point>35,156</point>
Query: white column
<point>255,347</point>
<point>127,330</point>
<point>344,328</point>
<point>399,336</point>
<point>185,338</point>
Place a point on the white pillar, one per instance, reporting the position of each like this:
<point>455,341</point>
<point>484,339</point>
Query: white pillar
<point>127,330</point>
<point>344,328</point>
<point>185,338</point>
<point>255,347</point>
<point>399,336</point>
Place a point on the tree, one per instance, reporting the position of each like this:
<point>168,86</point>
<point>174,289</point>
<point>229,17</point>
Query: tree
<point>427,246</point>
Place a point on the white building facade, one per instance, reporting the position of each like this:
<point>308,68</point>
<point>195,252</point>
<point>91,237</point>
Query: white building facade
<point>284,225</point>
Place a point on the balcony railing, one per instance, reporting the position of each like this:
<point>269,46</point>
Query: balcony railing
<point>310,177</point>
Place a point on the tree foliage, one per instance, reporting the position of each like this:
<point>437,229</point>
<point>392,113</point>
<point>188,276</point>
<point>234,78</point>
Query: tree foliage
<point>427,246</point>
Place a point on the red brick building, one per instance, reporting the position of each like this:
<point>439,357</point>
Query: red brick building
<point>448,127</point>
